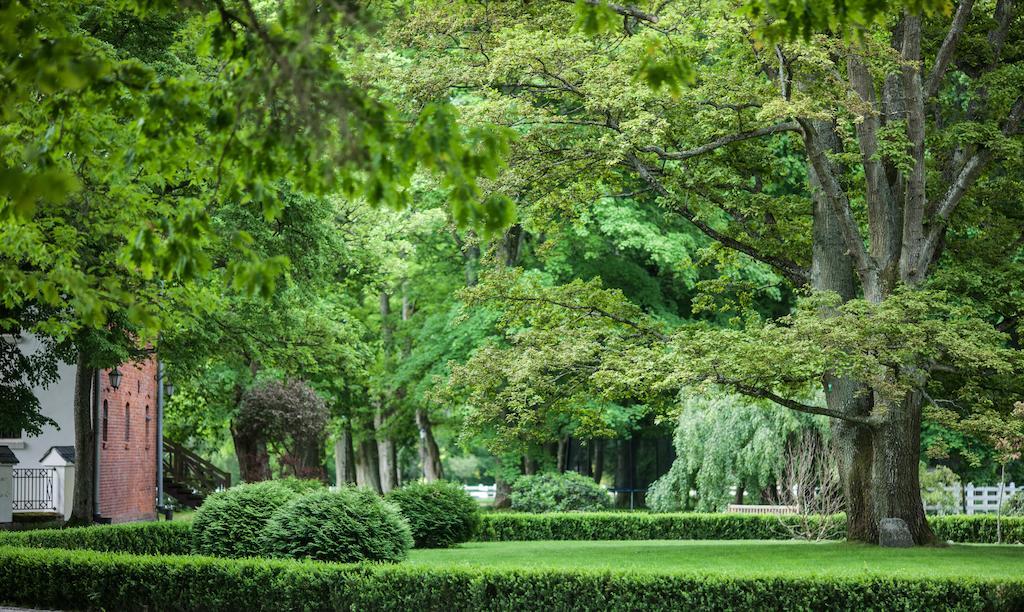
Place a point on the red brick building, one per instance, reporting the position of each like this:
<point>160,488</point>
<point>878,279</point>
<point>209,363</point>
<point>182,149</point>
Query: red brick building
<point>128,444</point>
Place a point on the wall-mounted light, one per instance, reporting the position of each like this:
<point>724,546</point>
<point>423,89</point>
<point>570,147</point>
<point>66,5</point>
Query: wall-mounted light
<point>115,378</point>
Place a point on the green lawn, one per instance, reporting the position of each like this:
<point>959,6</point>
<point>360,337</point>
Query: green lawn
<point>736,558</point>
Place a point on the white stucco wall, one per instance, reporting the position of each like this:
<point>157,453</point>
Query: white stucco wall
<point>57,403</point>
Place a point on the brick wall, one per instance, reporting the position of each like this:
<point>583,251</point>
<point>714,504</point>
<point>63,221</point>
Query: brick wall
<point>128,460</point>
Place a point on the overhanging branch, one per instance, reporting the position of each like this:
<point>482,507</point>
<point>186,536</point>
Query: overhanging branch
<point>626,10</point>
<point>789,126</point>
<point>785,402</point>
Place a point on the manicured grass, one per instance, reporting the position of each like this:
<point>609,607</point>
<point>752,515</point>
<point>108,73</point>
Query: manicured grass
<point>734,558</point>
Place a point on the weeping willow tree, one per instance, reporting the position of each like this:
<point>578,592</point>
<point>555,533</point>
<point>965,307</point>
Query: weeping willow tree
<point>725,441</point>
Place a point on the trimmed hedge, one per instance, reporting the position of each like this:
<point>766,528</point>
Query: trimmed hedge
<point>515,526</point>
<point>512,526</point>
<point>173,537</point>
<point>148,538</point>
<point>127,582</point>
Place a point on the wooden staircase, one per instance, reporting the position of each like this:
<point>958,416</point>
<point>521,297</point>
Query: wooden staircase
<point>189,478</point>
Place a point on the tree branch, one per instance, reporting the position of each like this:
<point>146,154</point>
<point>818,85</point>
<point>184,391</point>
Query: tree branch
<point>595,310</point>
<point>965,178</point>
<point>840,205</point>
<point>948,48</point>
<point>793,272</point>
<point>785,402</point>
<point>624,10</point>
<point>789,126</point>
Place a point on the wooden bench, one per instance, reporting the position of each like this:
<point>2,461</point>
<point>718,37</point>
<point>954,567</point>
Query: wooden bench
<point>752,509</point>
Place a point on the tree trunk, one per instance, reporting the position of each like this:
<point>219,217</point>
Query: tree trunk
<point>253,457</point>
<point>344,457</point>
<point>309,459</point>
<point>623,471</point>
<point>529,465</point>
<point>430,454</point>
<point>563,454</point>
<point>598,460</point>
<point>738,499</point>
<point>367,468</point>
<point>386,455</point>
<point>878,466</point>
<point>83,507</point>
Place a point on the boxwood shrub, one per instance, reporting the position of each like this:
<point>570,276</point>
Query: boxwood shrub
<point>553,492</point>
<point>116,581</point>
<point>441,514</point>
<point>350,525</point>
<point>230,523</point>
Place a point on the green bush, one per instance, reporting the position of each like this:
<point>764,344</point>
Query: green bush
<point>301,485</point>
<point>124,582</point>
<point>553,492</point>
<point>350,525</point>
<point>230,523</point>
<point>977,528</point>
<point>441,514</point>
<point>1014,506</point>
<point>148,538</point>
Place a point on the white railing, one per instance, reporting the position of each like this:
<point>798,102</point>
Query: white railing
<point>979,499</point>
<point>481,492</point>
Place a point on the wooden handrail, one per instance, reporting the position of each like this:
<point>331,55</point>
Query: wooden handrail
<point>186,468</point>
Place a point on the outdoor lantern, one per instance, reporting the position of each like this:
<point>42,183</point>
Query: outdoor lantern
<point>168,389</point>
<point>115,378</point>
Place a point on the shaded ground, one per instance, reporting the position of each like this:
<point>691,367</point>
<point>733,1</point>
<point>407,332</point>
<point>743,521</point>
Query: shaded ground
<point>736,558</point>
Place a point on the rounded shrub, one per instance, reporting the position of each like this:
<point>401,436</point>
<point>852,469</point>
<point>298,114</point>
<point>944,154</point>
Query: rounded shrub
<point>553,492</point>
<point>441,514</point>
<point>230,523</point>
<point>349,525</point>
<point>301,485</point>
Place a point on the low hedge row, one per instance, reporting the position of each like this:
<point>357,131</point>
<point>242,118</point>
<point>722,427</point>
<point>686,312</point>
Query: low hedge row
<point>115,581</point>
<point>173,537</point>
<point>147,538</point>
<point>514,526</point>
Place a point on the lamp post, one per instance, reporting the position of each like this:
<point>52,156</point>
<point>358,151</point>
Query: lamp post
<point>115,378</point>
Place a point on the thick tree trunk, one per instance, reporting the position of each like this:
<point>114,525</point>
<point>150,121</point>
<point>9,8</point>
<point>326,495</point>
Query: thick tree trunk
<point>367,468</point>
<point>430,454</point>
<point>502,490</point>
<point>253,457</point>
<point>738,498</point>
<point>344,457</point>
<point>598,460</point>
<point>877,465</point>
<point>83,507</point>
<point>529,466</point>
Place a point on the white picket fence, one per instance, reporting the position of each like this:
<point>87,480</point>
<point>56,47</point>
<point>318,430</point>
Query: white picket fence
<point>980,500</point>
<point>481,492</point>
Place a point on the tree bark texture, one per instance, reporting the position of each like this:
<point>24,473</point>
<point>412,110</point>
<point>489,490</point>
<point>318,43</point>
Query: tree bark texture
<point>344,457</point>
<point>430,454</point>
<point>83,506</point>
<point>253,456</point>
<point>367,468</point>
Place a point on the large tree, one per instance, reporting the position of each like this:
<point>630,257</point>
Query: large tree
<point>875,169</point>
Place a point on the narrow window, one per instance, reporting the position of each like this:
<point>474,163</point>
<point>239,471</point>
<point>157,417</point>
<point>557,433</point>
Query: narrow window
<point>147,425</point>
<point>106,416</point>
<point>127,422</point>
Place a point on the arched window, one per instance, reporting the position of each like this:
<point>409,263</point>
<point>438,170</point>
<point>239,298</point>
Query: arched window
<point>127,422</point>
<point>106,418</point>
